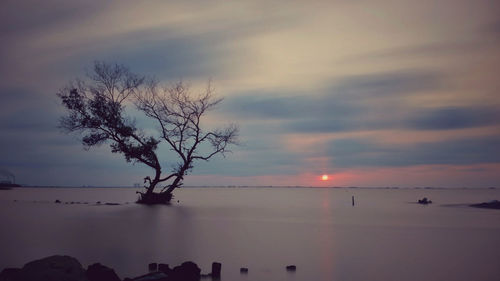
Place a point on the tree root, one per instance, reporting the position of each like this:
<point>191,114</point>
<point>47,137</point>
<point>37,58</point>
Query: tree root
<point>154,198</point>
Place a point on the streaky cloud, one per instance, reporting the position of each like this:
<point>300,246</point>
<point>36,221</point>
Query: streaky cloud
<point>448,118</point>
<point>356,152</point>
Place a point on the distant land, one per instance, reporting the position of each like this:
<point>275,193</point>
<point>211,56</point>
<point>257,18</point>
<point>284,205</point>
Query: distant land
<point>258,186</point>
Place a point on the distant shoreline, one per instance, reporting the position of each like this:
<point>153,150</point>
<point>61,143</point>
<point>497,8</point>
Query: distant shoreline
<point>262,186</point>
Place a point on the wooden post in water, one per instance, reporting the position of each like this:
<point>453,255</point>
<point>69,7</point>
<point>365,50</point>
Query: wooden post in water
<point>353,200</point>
<point>216,268</point>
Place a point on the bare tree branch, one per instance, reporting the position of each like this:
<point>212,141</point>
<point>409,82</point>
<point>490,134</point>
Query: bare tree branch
<point>96,109</point>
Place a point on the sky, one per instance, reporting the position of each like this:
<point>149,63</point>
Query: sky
<point>373,93</point>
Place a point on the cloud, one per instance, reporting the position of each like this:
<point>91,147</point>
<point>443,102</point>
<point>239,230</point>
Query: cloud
<point>20,18</point>
<point>258,155</point>
<point>357,152</point>
<point>447,118</point>
<point>170,58</point>
<point>492,28</point>
<point>187,40</point>
<point>319,70</point>
<point>363,102</point>
<point>392,84</point>
<point>352,103</point>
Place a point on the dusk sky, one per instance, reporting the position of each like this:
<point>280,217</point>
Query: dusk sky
<point>372,93</point>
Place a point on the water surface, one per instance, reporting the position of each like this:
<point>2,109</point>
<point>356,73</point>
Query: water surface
<point>385,236</point>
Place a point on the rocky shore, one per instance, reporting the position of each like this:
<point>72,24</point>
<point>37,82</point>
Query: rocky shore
<point>66,268</point>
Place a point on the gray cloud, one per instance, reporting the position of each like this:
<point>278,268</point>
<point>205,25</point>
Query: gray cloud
<point>365,102</point>
<point>447,118</point>
<point>19,17</point>
<point>349,104</point>
<point>365,153</point>
<point>172,58</point>
<point>27,112</point>
<point>391,84</point>
<point>46,42</point>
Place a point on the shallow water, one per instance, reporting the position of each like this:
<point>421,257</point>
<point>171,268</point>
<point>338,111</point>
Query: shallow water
<point>385,236</point>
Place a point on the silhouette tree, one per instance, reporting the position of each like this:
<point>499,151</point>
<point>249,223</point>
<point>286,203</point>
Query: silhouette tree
<point>96,108</point>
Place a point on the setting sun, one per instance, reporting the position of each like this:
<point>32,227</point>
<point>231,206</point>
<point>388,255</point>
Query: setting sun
<point>324,177</point>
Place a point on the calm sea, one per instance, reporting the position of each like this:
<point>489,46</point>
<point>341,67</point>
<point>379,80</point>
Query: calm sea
<point>385,236</point>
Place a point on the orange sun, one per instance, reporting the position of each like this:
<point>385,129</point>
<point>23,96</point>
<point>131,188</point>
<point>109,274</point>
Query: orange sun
<point>324,177</point>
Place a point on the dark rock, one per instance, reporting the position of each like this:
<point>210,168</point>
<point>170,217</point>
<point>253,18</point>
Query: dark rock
<point>99,272</point>
<point>424,201</point>
<point>291,268</point>
<point>216,268</point>
<point>153,266</point>
<point>53,268</point>
<point>495,204</point>
<point>112,204</point>
<point>98,202</point>
<point>163,267</point>
<point>57,201</point>
<point>11,274</point>
<point>244,270</point>
<point>187,271</point>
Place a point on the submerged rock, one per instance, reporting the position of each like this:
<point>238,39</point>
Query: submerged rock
<point>424,201</point>
<point>291,268</point>
<point>243,270</point>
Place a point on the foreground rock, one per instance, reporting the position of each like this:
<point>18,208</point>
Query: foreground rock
<point>54,268</point>
<point>99,272</point>
<point>495,204</point>
<point>187,271</point>
<point>66,268</point>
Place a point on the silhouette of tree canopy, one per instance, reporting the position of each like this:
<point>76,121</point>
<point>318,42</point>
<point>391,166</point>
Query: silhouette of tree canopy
<point>96,108</point>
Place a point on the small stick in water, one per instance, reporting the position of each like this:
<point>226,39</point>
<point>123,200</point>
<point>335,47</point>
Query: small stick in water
<point>353,200</point>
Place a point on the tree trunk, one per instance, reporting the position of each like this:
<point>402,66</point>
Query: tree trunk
<point>178,179</point>
<point>174,185</point>
<point>151,197</point>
